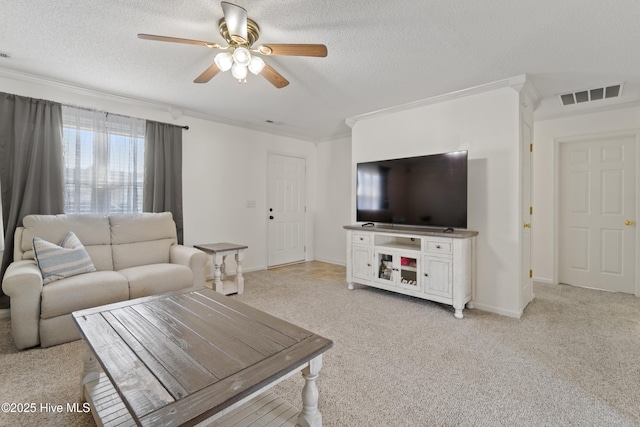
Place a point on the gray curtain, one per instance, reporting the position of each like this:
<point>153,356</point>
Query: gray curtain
<point>163,171</point>
<point>31,164</point>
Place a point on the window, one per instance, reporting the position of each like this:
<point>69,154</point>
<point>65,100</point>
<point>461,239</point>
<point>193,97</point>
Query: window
<point>369,190</point>
<point>103,162</point>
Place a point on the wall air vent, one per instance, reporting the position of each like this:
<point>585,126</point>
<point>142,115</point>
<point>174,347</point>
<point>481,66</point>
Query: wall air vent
<point>589,95</point>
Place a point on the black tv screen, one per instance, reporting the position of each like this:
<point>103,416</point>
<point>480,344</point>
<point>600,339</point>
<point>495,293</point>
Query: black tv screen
<point>419,191</point>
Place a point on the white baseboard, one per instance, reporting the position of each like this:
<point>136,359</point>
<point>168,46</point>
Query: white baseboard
<point>5,313</point>
<point>331,261</point>
<point>497,310</point>
<point>544,280</point>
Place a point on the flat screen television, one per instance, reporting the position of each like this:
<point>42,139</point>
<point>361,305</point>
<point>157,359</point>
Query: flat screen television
<point>428,191</point>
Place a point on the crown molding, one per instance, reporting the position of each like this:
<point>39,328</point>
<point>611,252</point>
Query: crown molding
<point>173,111</point>
<point>523,86</point>
<point>516,83</point>
<point>82,90</point>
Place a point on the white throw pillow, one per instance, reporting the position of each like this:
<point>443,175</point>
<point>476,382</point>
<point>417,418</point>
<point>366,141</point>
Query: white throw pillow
<point>57,262</point>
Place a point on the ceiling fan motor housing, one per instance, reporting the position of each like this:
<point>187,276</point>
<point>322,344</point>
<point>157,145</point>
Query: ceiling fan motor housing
<point>253,33</point>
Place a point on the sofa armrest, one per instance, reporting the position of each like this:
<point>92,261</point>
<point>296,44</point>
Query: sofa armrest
<point>23,283</point>
<point>193,258</point>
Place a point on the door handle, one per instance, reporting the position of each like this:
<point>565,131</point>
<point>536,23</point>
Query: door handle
<point>628,222</point>
<point>527,225</point>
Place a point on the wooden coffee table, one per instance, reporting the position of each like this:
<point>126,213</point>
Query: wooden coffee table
<point>186,357</point>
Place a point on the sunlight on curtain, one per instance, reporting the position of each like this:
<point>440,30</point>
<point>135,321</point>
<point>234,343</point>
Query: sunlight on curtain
<point>104,161</point>
<point>1,224</point>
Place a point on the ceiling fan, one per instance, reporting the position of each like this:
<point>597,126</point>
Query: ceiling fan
<point>239,55</point>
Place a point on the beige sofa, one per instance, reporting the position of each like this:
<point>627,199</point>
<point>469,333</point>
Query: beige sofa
<point>134,256</point>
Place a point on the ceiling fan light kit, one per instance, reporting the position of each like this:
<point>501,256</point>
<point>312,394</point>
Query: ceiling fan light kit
<point>241,33</point>
<point>241,56</point>
<point>224,61</point>
<point>256,65</point>
<point>239,72</point>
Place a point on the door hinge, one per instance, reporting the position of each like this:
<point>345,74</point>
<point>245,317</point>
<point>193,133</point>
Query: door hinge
<point>530,274</point>
<point>305,248</point>
<point>531,148</point>
<point>530,210</point>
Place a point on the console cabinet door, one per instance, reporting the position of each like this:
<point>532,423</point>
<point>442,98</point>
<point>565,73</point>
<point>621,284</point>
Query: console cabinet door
<point>438,276</point>
<point>397,269</point>
<point>362,263</point>
<point>384,267</point>
<point>408,271</point>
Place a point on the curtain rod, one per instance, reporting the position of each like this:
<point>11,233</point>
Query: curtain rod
<point>81,107</point>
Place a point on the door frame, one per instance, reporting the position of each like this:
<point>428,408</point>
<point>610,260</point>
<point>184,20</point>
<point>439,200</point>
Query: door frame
<point>526,294</point>
<point>635,133</point>
<point>266,207</point>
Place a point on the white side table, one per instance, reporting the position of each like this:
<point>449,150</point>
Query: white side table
<point>219,252</point>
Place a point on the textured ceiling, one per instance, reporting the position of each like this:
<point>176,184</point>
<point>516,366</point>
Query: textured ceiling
<point>381,53</point>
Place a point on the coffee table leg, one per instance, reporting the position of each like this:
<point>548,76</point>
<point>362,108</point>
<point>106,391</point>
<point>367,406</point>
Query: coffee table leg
<point>310,416</point>
<point>90,371</point>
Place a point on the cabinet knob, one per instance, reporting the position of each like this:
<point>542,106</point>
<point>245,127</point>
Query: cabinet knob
<point>437,246</point>
<point>426,274</point>
<point>362,238</point>
<point>368,265</point>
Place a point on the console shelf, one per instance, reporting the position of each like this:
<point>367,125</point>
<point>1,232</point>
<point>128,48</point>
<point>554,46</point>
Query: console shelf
<point>400,246</point>
<point>422,262</point>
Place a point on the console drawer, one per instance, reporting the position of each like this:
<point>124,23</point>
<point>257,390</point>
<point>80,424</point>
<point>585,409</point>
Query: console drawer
<point>362,238</point>
<point>439,246</point>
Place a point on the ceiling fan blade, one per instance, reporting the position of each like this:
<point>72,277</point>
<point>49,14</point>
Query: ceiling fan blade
<point>207,74</point>
<point>236,19</point>
<point>274,77</point>
<point>293,49</point>
<point>178,40</point>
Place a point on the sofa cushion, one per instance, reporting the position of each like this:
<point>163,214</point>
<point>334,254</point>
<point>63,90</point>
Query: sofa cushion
<point>94,231</point>
<point>84,291</point>
<point>154,279</point>
<point>141,239</point>
<point>142,227</point>
<point>141,253</point>
<point>57,262</point>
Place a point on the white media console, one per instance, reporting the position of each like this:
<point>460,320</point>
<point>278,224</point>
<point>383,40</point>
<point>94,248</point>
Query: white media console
<point>423,262</point>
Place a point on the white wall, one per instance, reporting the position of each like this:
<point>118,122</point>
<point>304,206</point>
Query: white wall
<point>333,200</point>
<point>487,125</point>
<point>224,167</point>
<point>546,133</point>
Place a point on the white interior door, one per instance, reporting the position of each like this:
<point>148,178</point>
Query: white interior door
<point>286,209</point>
<point>598,213</point>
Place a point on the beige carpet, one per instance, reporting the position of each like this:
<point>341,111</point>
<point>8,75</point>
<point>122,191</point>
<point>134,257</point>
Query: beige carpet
<point>572,360</point>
